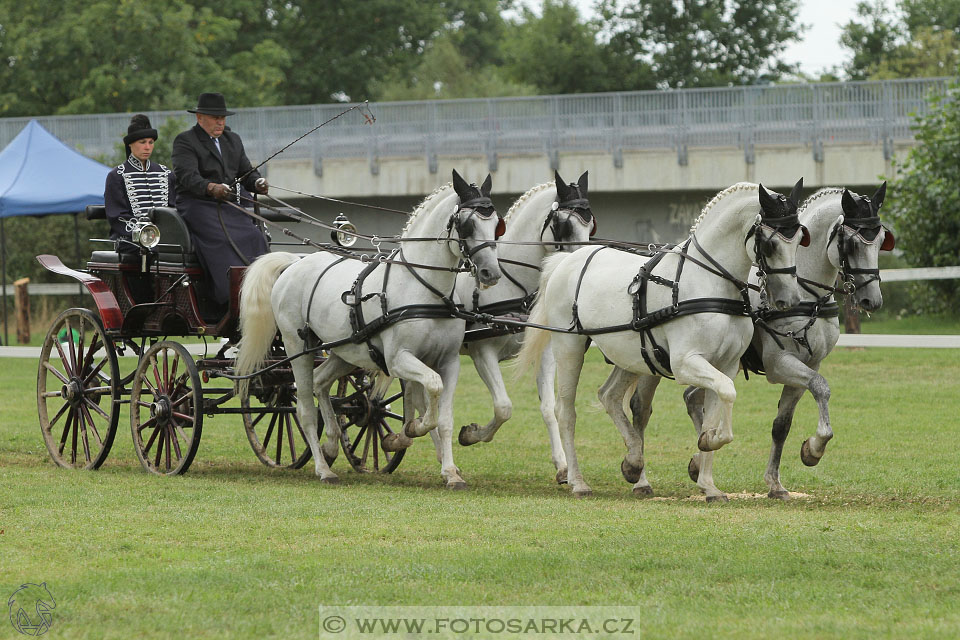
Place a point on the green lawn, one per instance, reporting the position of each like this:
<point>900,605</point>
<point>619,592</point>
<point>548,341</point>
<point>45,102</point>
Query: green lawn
<point>233,549</point>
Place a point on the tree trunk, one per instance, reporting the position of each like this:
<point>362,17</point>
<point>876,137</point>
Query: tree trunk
<point>21,306</point>
<point>851,316</point>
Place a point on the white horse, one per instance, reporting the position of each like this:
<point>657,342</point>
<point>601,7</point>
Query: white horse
<point>697,331</point>
<point>545,216</point>
<point>338,300</point>
<point>846,238</point>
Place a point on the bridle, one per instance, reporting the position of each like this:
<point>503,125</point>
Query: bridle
<point>580,207</point>
<point>867,230</point>
<point>787,228</point>
<point>482,207</point>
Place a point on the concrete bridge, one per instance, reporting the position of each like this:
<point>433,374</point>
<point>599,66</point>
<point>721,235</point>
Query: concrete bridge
<point>654,157</point>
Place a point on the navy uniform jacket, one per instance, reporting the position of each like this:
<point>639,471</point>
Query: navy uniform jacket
<point>218,229</point>
<point>131,190</point>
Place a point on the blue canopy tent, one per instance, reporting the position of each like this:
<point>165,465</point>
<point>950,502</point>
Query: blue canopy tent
<point>40,175</point>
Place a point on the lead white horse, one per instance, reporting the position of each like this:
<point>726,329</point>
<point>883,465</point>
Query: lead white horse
<point>337,299</point>
<point>549,218</point>
<point>698,331</point>
<point>846,239</point>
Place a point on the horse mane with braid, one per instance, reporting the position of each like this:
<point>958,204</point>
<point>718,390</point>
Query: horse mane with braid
<point>422,205</point>
<point>826,191</point>
<point>740,186</point>
<point>526,196</point>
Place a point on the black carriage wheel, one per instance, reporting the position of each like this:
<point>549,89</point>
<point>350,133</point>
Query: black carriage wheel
<point>78,391</point>
<point>366,420</point>
<point>276,434</point>
<point>166,409</point>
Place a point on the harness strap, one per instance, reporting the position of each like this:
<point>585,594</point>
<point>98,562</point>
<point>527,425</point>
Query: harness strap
<point>306,332</point>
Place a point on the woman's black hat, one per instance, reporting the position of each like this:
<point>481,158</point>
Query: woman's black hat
<point>139,129</point>
<point>212,104</point>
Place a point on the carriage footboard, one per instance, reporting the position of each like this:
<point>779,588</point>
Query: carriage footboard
<point>103,297</point>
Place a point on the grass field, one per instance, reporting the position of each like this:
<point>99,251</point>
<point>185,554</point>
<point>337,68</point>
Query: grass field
<point>234,549</point>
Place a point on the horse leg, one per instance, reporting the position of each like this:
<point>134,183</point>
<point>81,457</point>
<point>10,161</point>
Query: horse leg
<point>695,370</point>
<point>569,354</point>
<point>718,410</point>
<point>641,406</point>
<point>546,377</point>
<point>406,366</point>
<point>488,366</point>
<point>449,372</point>
<point>611,394</point>
<point>789,398</point>
<point>323,378</point>
<point>693,399</point>
<point>303,377</point>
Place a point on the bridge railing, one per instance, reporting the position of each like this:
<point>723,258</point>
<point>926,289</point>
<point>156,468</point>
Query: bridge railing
<point>814,115</point>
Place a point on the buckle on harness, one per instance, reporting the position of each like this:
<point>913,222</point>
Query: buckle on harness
<point>349,298</point>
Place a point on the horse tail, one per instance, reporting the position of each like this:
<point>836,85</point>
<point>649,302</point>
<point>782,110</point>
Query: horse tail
<point>536,340</point>
<point>258,325</point>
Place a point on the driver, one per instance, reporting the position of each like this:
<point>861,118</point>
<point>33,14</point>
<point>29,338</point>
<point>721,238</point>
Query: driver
<point>208,160</point>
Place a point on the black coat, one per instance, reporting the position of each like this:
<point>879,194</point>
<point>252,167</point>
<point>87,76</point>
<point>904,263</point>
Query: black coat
<point>196,162</point>
<point>132,189</point>
<point>218,230</point>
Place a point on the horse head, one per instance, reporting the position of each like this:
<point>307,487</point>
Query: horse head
<point>777,234</point>
<point>477,225</point>
<point>570,218</point>
<point>860,237</point>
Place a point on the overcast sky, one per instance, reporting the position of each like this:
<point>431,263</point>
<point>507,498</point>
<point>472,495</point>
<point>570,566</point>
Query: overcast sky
<point>820,48</point>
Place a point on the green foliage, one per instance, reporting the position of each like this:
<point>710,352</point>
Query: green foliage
<point>702,43</point>
<point>924,200</point>
<point>920,39</point>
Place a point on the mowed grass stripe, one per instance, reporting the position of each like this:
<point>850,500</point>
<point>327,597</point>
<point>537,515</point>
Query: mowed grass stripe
<point>234,549</point>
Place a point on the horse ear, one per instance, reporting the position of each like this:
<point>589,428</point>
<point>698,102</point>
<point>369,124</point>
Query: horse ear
<point>877,198</point>
<point>848,204</point>
<point>767,202</point>
<point>486,186</point>
<point>582,182</point>
<point>562,189</point>
<point>460,185</point>
<point>796,194</point>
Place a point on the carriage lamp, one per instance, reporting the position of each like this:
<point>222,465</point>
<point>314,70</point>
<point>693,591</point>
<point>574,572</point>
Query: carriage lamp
<point>146,234</point>
<point>343,234</point>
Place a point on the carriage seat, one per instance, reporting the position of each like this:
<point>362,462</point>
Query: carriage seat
<point>175,248</point>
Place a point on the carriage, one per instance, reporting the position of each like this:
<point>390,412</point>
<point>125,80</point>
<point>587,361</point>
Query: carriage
<point>140,300</point>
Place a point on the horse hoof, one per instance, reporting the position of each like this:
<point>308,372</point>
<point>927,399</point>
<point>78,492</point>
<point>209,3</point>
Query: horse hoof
<point>457,485</point>
<point>395,442</point>
<point>410,429</point>
<point>720,498</point>
<point>582,493</point>
<point>693,468</point>
<point>468,434</point>
<point>631,473</point>
<point>330,480</point>
<point>562,476</point>
<point>643,492</point>
<point>806,454</point>
<point>779,495</point>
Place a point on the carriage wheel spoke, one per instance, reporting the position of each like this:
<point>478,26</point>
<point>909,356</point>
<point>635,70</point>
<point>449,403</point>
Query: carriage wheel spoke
<point>49,367</point>
<point>94,372</point>
<point>279,444</point>
<point>84,439</point>
<point>73,438</point>
<point>175,441</point>
<point>147,424</point>
<point>395,416</point>
<point>393,398</point>
<point>183,416</point>
<point>73,349</point>
<point>63,410</point>
<point>290,441</point>
<point>90,404</point>
<point>63,357</point>
<point>362,432</point>
<point>256,419</point>
<point>91,425</point>
<point>153,436</point>
<point>166,439</point>
<point>66,430</point>
<point>273,423</point>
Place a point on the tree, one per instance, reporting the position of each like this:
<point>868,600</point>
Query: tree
<point>924,200</point>
<point>558,53</point>
<point>127,56</point>
<point>700,43</point>
<point>921,39</point>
